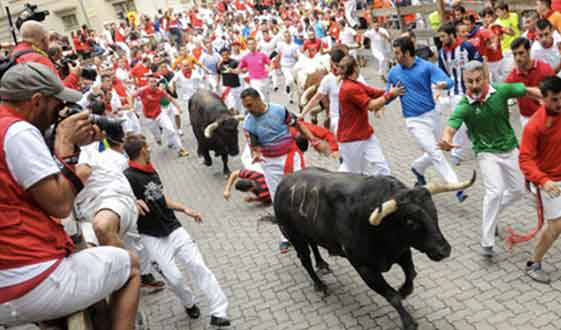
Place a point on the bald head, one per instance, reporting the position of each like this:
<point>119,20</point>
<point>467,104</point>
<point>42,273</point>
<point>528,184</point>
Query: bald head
<point>35,32</point>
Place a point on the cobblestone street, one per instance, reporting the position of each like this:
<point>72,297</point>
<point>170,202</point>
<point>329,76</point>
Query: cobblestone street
<point>270,291</point>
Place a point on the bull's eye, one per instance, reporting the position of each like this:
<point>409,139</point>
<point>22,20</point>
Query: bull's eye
<point>412,224</point>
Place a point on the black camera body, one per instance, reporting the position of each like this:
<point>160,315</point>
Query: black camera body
<point>111,126</point>
<point>30,13</point>
<point>88,73</point>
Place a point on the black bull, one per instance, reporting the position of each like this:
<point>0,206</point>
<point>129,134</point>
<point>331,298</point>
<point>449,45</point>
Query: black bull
<point>214,127</point>
<point>343,213</point>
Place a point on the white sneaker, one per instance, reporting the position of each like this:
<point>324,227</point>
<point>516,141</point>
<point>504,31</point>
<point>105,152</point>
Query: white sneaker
<point>180,132</point>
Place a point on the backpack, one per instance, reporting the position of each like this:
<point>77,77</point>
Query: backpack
<point>7,62</point>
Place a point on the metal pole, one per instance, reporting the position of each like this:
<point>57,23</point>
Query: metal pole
<point>83,8</point>
<point>12,27</point>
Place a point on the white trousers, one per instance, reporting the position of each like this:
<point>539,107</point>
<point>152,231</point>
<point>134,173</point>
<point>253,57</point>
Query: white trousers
<point>80,280</point>
<point>163,123</point>
<point>273,170</point>
<point>180,246</point>
<point>263,86</point>
<point>504,184</point>
<point>171,111</point>
<point>447,105</point>
<point>364,157</point>
<point>131,123</point>
<point>289,81</point>
<point>382,59</point>
<point>424,128</point>
<point>211,82</point>
<point>497,70</point>
<point>233,100</point>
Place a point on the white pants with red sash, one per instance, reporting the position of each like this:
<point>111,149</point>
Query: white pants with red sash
<point>274,169</point>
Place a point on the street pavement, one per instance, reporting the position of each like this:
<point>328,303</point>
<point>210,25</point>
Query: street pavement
<point>270,291</point>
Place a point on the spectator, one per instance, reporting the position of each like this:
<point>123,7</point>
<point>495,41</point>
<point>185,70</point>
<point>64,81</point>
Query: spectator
<point>36,189</point>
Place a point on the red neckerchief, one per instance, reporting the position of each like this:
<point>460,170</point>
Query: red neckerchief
<point>549,13</point>
<point>454,45</point>
<point>148,168</point>
<point>483,95</point>
<point>187,74</point>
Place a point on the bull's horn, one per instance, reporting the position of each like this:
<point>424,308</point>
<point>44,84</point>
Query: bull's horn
<point>436,188</point>
<point>307,94</point>
<point>209,130</point>
<point>380,213</point>
<point>239,117</point>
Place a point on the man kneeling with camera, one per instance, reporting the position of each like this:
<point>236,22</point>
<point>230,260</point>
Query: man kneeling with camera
<point>40,276</point>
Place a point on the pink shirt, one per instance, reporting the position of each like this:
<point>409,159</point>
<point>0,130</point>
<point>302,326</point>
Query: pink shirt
<point>256,65</point>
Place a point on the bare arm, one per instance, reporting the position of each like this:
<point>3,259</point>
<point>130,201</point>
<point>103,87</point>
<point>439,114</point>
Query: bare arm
<point>176,206</point>
<point>231,180</point>
<point>311,104</point>
<point>445,142</point>
<point>534,92</point>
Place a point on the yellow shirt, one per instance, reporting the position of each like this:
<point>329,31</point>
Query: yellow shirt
<point>555,19</point>
<point>510,22</point>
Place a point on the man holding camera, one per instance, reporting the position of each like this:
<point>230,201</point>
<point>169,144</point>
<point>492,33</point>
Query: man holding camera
<point>40,278</point>
<point>36,40</point>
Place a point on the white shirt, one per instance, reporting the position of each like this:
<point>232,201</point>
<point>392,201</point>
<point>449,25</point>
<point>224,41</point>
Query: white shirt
<point>289,53</point>
<point>186,87</point>
<point>552,55</point>
<point>377,40</point>
<point>268,47</point>
<point>29,161</point>
<point>330,86</point>
<point>347,36</point>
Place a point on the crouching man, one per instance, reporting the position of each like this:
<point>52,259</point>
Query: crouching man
<point>40,278</point>
<point>164,238</point>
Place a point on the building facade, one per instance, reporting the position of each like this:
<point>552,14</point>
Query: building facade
<point>69,15</point>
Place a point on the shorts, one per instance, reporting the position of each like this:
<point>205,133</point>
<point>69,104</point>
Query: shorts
<point>551,206</point>
<point>80,280</point>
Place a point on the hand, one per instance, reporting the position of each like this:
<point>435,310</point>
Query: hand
<point>323,148</point>
<point>227,195</point>
<point>397,89</point>
<point>552,189</point>
<point>446,145</point>
<point>143,209</point>
<point>256,157</point>
<point>75,69</point>
<point>335,155</point>
<point>74,130</point>
<point>195,215</point>
<point>83,171</point>
<point>441,85</point>
<point>378,113</point>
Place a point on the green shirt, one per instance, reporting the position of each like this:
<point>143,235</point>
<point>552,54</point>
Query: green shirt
<point>510,22</point>
<point>488,124</point>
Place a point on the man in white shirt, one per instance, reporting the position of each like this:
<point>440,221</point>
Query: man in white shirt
<point>380,45</point>
<point>289,53</point>
<point>547,45</point>
<point>347,38</point>
<point>186,82</point>
<point>268,45</point>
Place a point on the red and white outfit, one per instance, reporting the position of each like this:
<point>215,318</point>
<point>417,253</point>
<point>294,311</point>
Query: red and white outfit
<point>256,64</point>
<point>360,149</point>
<point>540,156</point>
<point>39,278</point>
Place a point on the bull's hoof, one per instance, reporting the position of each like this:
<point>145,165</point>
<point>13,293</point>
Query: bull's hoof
<point>321,287</point>
<point>227,173</point>
<point>411,326</point>
<point>207,162</point>
<point>405,290</point>
<point>323,269</point>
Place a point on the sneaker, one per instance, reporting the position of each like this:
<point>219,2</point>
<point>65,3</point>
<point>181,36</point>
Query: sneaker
<point>150,282</point>
<point>276,89</point>
<point>487,251</point>
<point>288,90</point>
<point>461,196</point>
<point>283,247</point>
<point>194,312</point>
<point>219,321</point>
<point>455,160</point>
<point>182,153</point>
<point>159,142</point>
<point>536,273</point>
<point>421,181</point>
<point>180,132</point>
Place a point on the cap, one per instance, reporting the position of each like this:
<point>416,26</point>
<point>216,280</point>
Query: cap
<point>22,81</point>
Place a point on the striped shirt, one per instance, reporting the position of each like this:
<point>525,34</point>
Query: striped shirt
<point>452,61</point>
<point>260,191</point>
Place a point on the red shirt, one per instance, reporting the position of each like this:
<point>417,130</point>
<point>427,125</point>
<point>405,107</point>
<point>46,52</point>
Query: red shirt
<point>150,98</point>
<point>537,72</point>
<point>312,46</point>
<point>319,132</point>
<point>121,90</point>
<point>139,72</point>
<point>334,30</point>
<point>540,148</point>
<point>353,106</point>
<point>149,28</point>
<point>482,40</point>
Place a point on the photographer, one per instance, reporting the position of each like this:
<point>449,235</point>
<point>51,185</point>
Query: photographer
<point>36,37</point>
<point>40,278</point>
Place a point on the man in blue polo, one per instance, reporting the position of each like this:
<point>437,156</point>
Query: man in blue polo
<point>419,77</point>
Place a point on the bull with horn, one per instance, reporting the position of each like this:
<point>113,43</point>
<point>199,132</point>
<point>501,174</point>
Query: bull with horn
<point>214,127</point>
<point>373,221</point>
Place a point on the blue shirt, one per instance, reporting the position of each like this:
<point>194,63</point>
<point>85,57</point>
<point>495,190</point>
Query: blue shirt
<point>319,30</point>
<point>271,127</point>
<point>417,80</point>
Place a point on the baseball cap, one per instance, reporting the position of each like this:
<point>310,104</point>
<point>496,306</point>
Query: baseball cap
<point>21,81</point>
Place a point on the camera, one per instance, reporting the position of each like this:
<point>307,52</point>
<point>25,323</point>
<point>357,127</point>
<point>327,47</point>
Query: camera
<point>30,13</point>
<point>111,126</point>
<point>88,72</point>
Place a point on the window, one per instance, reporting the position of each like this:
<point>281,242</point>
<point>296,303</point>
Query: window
<point>70,21</point>
<point>122,8</point>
